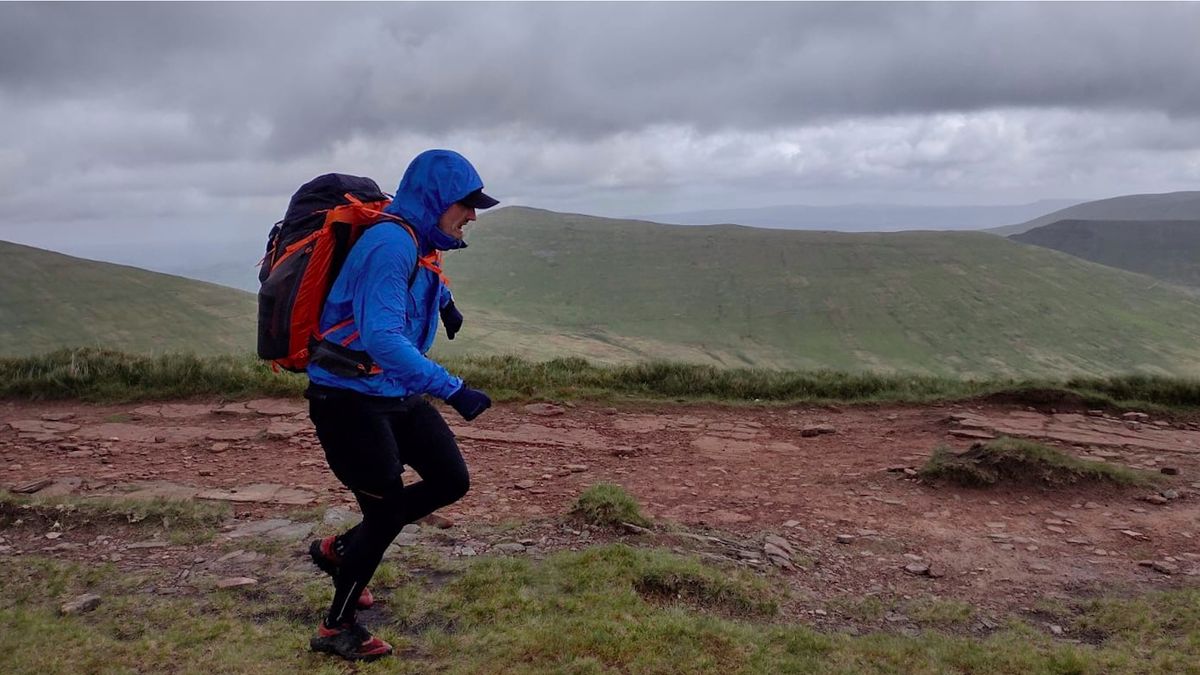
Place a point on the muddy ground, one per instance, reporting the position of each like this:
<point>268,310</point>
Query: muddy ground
<point>835,483</point>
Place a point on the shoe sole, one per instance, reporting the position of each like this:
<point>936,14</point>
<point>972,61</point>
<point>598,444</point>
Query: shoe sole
<point>320,646</point>
<point>314,552</point>
<point>323,563</point>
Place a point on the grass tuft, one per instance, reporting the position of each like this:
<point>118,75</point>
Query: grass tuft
<point>608,505</point>
<point>674,579</point>
<point>1023,462</point>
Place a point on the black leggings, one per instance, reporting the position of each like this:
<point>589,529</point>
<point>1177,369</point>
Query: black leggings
<point>367,442</point>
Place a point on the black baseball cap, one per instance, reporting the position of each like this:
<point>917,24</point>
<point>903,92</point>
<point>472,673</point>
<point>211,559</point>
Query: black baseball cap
<point>478,200</point>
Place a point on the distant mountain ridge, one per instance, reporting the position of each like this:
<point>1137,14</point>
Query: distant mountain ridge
<point>1164,249</point>
<point>51,300</point>
<point>1144,207</point>
<point>865,217</point>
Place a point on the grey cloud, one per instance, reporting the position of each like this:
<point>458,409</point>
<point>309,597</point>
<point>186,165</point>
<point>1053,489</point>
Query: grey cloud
<point>318,72</point>
<point>200,119</point>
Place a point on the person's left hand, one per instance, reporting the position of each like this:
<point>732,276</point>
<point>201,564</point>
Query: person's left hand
<point>452,319</point>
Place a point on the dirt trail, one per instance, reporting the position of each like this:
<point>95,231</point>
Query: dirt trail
<point>747,471</point>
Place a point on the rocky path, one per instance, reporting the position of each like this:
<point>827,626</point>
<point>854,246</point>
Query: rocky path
<point>830,483</point>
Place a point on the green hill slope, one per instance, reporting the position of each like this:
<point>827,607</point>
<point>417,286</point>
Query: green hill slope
<point>1164,249</point>
<point>1165,206</point>
<point>52,300</point>
<point>538,284</point>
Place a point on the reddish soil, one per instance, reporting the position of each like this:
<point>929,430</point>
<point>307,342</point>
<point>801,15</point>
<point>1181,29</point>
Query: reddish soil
<point>745,471</point>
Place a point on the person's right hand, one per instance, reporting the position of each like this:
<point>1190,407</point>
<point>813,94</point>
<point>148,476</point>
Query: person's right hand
<point>470,403</point>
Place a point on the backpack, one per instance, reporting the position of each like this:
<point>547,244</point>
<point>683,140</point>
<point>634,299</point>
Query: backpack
<point>305,252</point>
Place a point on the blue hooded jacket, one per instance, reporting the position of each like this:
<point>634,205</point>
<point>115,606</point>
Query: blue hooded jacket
<point>397,324</point>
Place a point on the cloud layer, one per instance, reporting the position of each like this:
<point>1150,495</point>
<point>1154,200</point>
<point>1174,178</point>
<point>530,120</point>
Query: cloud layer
<point>195,121</point>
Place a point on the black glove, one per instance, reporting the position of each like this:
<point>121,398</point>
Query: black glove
<point>470,403</point>
<point>452,319</point>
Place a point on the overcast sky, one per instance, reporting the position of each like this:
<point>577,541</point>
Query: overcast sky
<point>195,122</point>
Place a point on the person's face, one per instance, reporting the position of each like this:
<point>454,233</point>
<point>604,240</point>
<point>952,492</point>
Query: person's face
<point>455,217</point>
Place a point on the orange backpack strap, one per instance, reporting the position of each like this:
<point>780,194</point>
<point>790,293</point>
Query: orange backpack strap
<point>431,262</point>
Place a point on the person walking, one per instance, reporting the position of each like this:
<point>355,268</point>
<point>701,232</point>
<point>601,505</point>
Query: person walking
<point>382,314</point>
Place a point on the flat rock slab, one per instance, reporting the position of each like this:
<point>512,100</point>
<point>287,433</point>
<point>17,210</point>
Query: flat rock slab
<point>233,434</point>
<point>1082,430</point>
<point>284,430</point>
<point>42,427</point>
<point>261,492</point>
<point>276,528</point>
<point>726,448</point>
<point>61,487</point>
<point>234,409</point>
<point>725,517</point>
<point>544,409</point>
<point>276,407</point>
<point>641,424</point>
<point>80,605</point>
<point>538,435</point>
<point>160,490</point>
<point>176,411</point>
<point>30,487</point>
<point>136,433</point>
<point>338,516</point>
<point>49,487</point>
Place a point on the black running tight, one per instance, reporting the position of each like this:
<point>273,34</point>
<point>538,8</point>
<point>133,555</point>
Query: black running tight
<point>367,442</point>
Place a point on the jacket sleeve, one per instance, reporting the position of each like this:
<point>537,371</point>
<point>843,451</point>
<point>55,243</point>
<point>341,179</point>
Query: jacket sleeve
<point>446,297</point>
<point>381,313</point>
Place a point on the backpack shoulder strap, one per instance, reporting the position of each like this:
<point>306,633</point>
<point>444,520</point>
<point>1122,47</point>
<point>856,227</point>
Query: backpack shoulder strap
<point>399,221</point>
<point>416,246</point>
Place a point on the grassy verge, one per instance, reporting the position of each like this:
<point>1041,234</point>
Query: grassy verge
<point>574,612</point>
<point>1021,462</point>
<point>98,375</point>
<point>185,522</point>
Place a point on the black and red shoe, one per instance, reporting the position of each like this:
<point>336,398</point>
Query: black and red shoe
<point>326,558</point>
<point>351,641</point>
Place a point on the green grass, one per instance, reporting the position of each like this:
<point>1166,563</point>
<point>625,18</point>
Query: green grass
<point>71,512</point>
<point>106,376</point>
<point>958,304</point>
<point>574,612</point>
<point>52,300</point>
<point>1022,462</point>
<point>941,613</point>
<point>608,505</point>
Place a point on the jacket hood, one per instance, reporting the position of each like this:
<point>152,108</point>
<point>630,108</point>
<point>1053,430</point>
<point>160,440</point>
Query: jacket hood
<point>433,181</point>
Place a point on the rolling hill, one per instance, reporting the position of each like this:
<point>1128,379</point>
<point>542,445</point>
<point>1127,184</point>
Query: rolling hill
<point>1164,249</point>
<point>1165,206</point>
<point>52,300</point>
<point>540,284</point>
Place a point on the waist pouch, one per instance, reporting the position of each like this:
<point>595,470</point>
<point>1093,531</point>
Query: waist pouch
<point>341,361</point>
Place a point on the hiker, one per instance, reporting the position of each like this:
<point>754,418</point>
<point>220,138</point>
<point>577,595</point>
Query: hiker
<point>384,306</point>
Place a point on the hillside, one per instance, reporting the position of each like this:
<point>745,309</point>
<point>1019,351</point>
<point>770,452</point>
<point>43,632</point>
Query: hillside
<point>1165,206</point>
<point>1164,249</point>
<point>539,284</point>
<point>867,217</point>
<point>52,300</point>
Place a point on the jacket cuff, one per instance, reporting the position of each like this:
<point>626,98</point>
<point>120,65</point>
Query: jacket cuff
<point>450,388</point>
